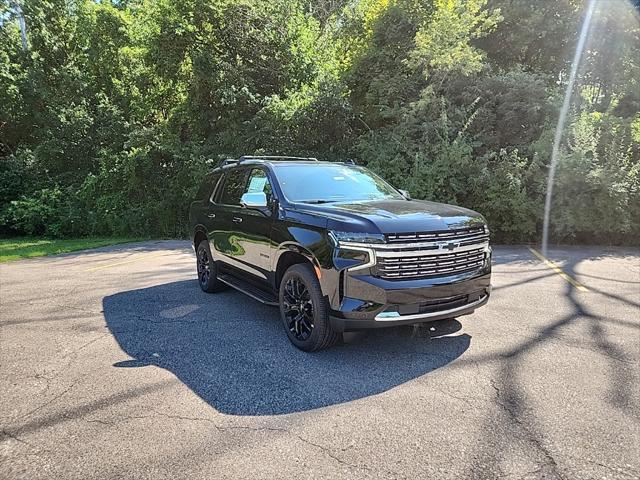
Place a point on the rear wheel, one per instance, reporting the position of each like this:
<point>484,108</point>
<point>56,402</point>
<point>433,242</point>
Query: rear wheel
<point>207,269</point>
<point>304,310</point>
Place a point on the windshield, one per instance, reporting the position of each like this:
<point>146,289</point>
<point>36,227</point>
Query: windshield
<point>331,183</point>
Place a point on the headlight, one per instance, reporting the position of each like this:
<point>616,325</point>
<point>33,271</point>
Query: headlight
<point>358,237</point>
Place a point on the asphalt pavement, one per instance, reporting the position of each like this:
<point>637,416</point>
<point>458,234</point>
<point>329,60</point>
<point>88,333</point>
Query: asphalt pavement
<point>114,365</point>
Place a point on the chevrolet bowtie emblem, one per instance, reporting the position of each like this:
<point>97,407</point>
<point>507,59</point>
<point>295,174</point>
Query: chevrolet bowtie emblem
<point>449,246</point>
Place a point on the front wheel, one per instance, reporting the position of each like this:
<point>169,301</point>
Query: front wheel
<point>304,310</point>
<point>207,269</point>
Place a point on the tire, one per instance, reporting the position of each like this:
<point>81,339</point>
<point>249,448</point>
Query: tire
<point>301,298</point>
<point>207,269</point>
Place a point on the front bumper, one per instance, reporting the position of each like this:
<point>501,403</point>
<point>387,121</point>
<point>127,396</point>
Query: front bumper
<point>373,302</point>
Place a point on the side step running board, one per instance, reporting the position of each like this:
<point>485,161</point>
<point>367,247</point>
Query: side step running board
<point>248,289</point>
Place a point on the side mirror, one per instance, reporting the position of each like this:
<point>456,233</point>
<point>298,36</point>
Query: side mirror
<point>405,194</point>
<point>254,200</point>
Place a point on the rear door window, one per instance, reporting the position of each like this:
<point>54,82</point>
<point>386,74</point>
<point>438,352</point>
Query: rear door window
<point>235,182</point>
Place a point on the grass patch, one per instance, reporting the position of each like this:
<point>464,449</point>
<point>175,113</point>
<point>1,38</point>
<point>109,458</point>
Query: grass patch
<point>29,247</point>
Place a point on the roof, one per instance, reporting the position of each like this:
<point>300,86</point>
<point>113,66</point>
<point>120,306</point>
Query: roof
<point>262,159</point>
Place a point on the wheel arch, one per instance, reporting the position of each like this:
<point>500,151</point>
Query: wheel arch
<point>293,254</point>
<point>199,235</point>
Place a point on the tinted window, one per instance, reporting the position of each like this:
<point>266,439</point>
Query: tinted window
<point>331,183</point>
<point>206,189</point>
<point>258,182</point>
<point>234,185</point>
<point>215,183</point>
<point>215,179</point>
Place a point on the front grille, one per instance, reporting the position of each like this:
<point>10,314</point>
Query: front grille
<point>459,234</point>
<point>427,266</point>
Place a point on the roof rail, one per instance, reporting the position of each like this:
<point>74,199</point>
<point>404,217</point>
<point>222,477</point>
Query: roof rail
<point>227,161</point>
<point>274,157</point>
<point>231,161</point>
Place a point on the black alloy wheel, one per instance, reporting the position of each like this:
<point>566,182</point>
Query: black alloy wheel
<point>204,267</point>
<point>298,308</point>
<point>304,309</point>
<point>207,270</point>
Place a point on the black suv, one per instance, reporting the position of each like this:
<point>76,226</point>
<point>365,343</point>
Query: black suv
<point>336,247</point>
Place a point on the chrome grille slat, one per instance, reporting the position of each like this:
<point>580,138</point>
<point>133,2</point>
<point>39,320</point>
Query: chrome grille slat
<point>426,245</point>
<point>434,259</point>
<point>425,255</point>
<point>431,267</point>
<point>433,272</point>
<point>433,250</point>
<point>441,235</point>
<point>384,268</point>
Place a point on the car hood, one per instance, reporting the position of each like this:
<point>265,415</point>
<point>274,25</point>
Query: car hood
<point>394,216</point>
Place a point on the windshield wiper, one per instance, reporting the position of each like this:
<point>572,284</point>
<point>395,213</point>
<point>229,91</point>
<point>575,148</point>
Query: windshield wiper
<point>317,201</point>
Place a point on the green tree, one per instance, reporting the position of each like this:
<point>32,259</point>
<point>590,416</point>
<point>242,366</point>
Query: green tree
<point>116,109</point>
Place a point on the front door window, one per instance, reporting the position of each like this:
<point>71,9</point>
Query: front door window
<point>259,183</point>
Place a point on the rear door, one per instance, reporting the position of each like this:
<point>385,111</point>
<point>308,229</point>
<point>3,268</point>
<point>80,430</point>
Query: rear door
<point>224,235</point>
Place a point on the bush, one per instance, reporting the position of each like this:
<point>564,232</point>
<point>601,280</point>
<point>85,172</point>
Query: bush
<point>597,192</point>
<point>38,214</point>
<point>16,176</point>
<point>144,191</point>
<point>436,158</point>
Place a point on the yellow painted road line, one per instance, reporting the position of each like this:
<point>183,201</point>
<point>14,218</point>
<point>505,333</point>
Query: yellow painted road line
<point>109,265</point>
<point>553,266</point>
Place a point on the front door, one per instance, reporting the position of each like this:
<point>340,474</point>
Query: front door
<point>255,225</point>
<point>243,241</point>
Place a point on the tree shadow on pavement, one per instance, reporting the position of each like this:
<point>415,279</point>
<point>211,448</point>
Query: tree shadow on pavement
<point>233,352</point>
<point>516,418</point>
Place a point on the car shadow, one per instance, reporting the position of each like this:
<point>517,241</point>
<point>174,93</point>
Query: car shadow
<point>233,353</point>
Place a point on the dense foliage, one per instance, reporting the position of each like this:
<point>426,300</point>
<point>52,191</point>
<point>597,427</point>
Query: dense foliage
<point>115,109</point>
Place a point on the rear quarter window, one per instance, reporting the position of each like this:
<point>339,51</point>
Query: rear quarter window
<point>207,186</point>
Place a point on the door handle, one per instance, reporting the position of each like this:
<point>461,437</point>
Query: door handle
<point>237,220</point>
<point>212,215</point>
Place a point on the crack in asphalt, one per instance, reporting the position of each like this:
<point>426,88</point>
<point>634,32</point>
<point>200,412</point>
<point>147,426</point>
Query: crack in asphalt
<point>627,471</point>
<point>551,461</point>
<point>51,375</point>
<point>82,347</point>
<point>326,450</point>
<point>4,434</point>
<point>467,400</point>
<point>176,321</point>
<point>50,401</point>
